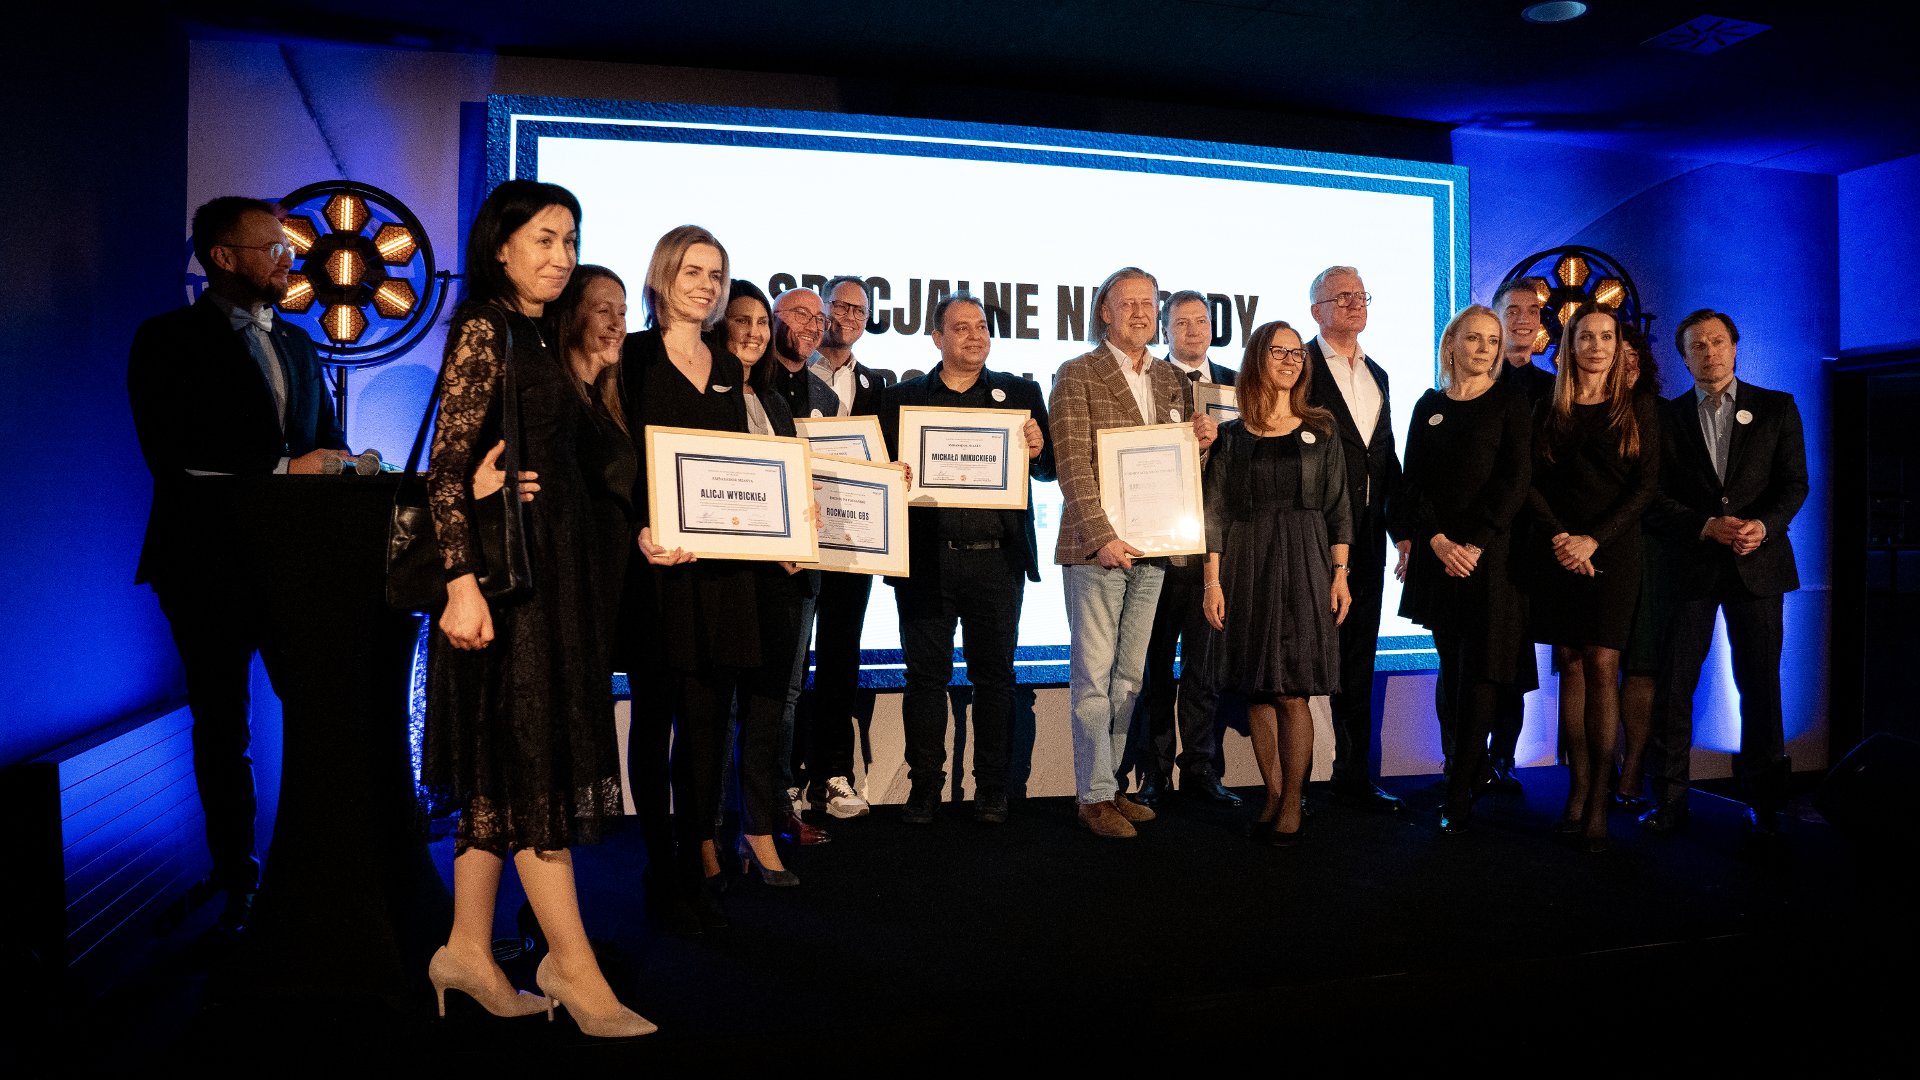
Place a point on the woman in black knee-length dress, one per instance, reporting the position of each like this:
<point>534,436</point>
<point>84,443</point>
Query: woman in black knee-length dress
<point>1595,467</point>
<point>1275,583</point>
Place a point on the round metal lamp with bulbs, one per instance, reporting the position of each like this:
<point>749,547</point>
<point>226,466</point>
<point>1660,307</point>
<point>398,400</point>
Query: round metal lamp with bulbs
<point>1566,277</point>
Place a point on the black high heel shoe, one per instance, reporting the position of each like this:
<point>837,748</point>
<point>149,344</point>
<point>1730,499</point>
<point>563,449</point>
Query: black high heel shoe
<point>749,860</point>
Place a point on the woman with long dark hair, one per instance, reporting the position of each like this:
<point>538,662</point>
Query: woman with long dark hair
<point>1640,662</point>
<point>519,733</point>
<point>1275,583</point>
<point>1467,472</point>
<point>1595,466</point>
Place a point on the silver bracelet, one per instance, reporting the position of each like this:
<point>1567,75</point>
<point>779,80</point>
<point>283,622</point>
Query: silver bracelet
<point>1212,585</point>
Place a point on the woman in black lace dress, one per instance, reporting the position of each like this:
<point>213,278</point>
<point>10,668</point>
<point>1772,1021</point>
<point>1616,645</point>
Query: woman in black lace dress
<point>1468,468</point>
<point>1595,465</point>
<point>1275,583</point>
<point>519,732</point>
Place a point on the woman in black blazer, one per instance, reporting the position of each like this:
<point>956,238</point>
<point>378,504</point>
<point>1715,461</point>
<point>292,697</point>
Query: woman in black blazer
<point>1275,584</point>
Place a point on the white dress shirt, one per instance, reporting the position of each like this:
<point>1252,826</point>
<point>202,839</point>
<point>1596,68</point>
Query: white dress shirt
<point>841,379</point>
<point>1186,371</point>
<point>1140,382</point>
<point>1357,386</point>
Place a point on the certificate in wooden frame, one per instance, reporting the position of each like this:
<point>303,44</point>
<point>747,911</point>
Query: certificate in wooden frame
<point>834,436</point>
<point>1217,400</point>
<point>965,478</point>
<point>1150,487</point>
<point>863,516</point>
<point>751,495</point>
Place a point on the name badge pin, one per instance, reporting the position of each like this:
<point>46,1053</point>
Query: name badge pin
<point>1743,416</point>
<point>1434,420</point>
<point>1307,437</point>
<point>815,414</point>
<point>999,394</point>
<point>1173,415</point>
<point>863,382</point>
<point>718,389</point>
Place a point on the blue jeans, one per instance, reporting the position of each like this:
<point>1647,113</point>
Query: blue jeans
<point>1110,615</point>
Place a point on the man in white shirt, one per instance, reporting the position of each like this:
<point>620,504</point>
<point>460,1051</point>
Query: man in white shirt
<point>842,605</point>
<point>1354,389</point>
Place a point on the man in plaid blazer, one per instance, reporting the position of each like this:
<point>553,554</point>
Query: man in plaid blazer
<point>1111,590</point>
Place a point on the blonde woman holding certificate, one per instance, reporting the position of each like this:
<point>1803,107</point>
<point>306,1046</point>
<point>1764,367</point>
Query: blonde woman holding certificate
<point>1275,583</point>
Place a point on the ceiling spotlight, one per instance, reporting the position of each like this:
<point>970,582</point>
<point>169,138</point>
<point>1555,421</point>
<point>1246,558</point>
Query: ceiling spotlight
<point>1557,12</point>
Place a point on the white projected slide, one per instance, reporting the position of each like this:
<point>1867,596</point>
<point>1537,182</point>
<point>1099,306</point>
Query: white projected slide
<point>1030,220</point>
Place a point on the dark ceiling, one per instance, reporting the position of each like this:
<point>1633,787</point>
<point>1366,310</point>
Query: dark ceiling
<point>1829,88</point>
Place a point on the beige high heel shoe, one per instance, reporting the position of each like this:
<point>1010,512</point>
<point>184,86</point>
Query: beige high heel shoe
<point>623,1023</point>
<point>447,973</point>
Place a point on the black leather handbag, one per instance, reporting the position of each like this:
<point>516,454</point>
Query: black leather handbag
<point>416,572</point>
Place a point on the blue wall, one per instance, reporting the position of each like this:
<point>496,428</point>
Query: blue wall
<point>94,188</point>
<point>1879,225</point>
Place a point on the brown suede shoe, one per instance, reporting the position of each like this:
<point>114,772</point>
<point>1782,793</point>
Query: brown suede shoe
<point>1101,819</point>
<point>1131,810</point>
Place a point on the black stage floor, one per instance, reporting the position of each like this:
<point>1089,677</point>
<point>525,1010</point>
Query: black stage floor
<point>1373,944</point>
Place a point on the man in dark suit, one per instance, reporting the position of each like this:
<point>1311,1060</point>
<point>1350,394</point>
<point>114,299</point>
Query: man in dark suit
<point>1187,323</point>
<point>1733,473</point>
<point>842,604</point>
<point>1354,389</point>
<point>223,388</point>
<point>968,566</point>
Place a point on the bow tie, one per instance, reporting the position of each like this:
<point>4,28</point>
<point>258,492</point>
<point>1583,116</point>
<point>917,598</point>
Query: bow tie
<point>261,317</point>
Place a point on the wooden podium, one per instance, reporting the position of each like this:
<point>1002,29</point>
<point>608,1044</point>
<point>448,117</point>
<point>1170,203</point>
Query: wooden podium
<point>350,904</point>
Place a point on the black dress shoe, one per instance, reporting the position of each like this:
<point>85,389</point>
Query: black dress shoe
<point>921,802</point>
<point>1276,838</point>
<point>234,916</point>
<point>1665,818</point>
<point>708,906</point>
<point>1152,787</point>
<point>1503,780</point>
<point>1366,796</point>
<point>1454,822</point>
<point>1209,789</point>
<point>1763,822</point>
<point>990,806</point>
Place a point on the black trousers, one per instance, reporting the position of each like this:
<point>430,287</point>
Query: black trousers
<point>217,628</point>
<point>1353,712</point>
<point>702,718</point>
<point>1509,714</point>
<point>761,706</point>
<point>981,591</point>
<point>1466,707</point>
<point>1756,632</point>
<point>1191,699</point>
<point>841,613</point>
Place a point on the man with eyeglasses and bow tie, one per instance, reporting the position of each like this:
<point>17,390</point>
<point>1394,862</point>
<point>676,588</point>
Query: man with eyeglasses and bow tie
<point>223,387</point>
<point>1349,384</point>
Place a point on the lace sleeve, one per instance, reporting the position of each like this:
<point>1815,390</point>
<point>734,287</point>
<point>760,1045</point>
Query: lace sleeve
<point>469,377</point>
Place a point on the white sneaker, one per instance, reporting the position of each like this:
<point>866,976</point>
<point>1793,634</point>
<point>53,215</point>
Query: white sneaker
<point>843,801</point>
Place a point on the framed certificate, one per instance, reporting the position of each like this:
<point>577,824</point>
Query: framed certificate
<point>1150,487</point>
<point>863,516</point>
<point>1216,401</point>
<point>856,438</point>
<point>965,457</point>
<point>726,495</point>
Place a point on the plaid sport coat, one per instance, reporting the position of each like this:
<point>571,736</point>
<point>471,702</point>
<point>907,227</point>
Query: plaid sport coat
<point>1089,394</point>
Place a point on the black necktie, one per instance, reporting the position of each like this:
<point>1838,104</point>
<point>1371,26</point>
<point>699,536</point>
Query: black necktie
<point>1194,375</point>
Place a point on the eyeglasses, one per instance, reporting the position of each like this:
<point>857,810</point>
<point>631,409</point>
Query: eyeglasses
<point>274,250</point>
<point>841,307</point>
<point>801,318</point>
<point>1347,299</point>
<point>1286,356</point>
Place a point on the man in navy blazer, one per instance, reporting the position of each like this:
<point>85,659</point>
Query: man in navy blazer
<point>1349,384</point>
<point>969,567</point>
<point>1733,472</point>
<point>223,387</point>
<point>1186,321</point>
